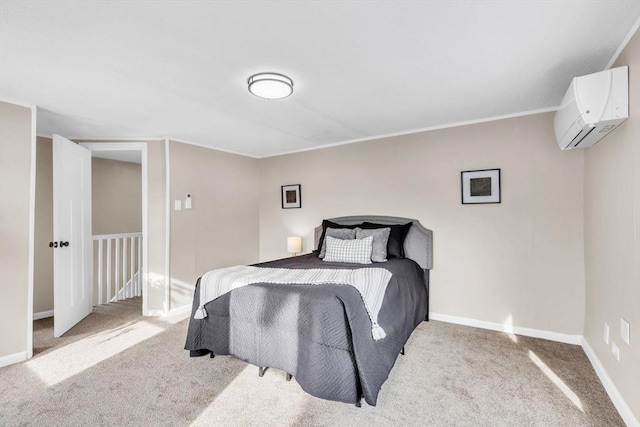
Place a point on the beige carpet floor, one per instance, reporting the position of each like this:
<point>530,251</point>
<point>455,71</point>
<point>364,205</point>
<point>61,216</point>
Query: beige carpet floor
<point>119,368</point>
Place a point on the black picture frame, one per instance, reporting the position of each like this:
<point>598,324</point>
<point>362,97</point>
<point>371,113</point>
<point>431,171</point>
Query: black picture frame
<point>481,186</point>
<point>291,196</point>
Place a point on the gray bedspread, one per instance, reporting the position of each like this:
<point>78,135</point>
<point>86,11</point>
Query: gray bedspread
<point>320,334</point>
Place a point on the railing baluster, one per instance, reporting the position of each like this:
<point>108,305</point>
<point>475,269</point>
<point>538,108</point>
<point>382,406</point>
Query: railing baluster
<point>131,268</point>
<point>124,268</point>
<point>123,271</point>
<point>125,278</point>
<point>117,272</point>
<point>132,259</point>
<point>139,268</point>
<point>109,284</point>
<point>99,272</point>
<point>134,251</point>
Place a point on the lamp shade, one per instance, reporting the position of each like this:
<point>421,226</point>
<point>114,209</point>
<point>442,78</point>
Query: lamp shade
<point>294,245</point>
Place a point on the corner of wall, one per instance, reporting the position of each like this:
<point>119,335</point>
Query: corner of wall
<point>618,401</point>
<point>612,248</point>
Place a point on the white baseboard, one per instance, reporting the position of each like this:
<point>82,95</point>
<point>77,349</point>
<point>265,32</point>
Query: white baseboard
<point>535,333</point>
<point>615,396</point>
<point>42,315</point>
<point>13,358</point>
<point>609,386</point>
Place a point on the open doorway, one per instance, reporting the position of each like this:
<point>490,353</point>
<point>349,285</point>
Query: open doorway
<point>119,201</point>
<point>116,182</point>
<point>133,244</point>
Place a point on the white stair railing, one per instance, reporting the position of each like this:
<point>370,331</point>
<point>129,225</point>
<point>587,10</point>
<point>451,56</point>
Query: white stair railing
<point>117,267</point>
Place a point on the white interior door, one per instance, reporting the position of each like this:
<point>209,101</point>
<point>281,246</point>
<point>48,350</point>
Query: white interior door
<point>72,259</point>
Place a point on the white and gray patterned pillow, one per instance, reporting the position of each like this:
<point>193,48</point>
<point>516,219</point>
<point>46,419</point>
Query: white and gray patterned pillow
<point>380,239</point>
<point>357,251</point>
<point>337,233</point>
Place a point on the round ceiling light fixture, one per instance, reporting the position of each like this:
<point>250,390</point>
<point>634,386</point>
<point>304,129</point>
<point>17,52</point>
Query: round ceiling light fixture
<point>270,85</point>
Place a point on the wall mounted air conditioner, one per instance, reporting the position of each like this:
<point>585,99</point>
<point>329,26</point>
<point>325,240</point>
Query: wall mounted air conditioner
<point>593,106</point>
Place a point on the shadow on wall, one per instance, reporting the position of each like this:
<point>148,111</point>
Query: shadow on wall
<point>181,293</point>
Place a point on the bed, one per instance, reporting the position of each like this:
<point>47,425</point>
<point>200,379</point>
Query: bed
<point>321,335</point>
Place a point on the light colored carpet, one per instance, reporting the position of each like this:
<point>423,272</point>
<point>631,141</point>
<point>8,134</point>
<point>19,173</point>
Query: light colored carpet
<point>119,368</point>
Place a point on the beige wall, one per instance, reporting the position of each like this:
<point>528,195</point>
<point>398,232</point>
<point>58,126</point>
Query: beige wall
<point>116,196</point>
<point>612,240</point>
<point>222,227</point>
<point>43,254</point>
<point>518,262</point>
<point>116,201</point>
<point>15,195</point>
<point>220,230</point>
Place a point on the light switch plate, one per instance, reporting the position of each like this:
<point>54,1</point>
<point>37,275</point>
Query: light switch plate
<point>606,334</point>
<point>178,205</point>
<point>625,331</point>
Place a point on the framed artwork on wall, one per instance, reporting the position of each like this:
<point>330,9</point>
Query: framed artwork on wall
<point>291,196</point>
<point>480,186</point>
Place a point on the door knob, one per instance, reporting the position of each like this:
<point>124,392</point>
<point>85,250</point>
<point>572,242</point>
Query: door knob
<point>63,244</point>
<point>53,244</point>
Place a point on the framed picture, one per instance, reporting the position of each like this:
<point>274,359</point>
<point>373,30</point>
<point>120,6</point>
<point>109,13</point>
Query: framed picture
<point>480,186</point>
<point>291,196</point>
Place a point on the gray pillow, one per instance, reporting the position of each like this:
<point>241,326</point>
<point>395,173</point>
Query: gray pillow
<point>356,251</point>
<point>337,233</point>
<point>380,239</point>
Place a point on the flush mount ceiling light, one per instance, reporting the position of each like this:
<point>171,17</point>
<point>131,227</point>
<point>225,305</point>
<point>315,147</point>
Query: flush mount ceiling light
<point>270,85</point>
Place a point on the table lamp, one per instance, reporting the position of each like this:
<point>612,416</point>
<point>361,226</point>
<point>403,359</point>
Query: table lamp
<point>294,245</point>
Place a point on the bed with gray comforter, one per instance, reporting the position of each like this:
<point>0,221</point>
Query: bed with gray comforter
<point>319,334</point>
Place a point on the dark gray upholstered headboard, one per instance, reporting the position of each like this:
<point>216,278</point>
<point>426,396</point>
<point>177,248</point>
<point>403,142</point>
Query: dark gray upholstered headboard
<point>418,245</point>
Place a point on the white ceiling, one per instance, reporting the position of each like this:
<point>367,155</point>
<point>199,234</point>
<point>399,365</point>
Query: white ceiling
<point>106,69</point>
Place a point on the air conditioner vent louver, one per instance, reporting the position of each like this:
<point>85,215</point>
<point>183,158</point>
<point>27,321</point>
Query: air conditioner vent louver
<point>597,102</point>
<point>581,139</point>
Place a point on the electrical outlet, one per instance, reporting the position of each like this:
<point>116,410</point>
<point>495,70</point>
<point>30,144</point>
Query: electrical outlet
<point>616,351</point>
<point>625,331</point>
<point>606,334</point>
